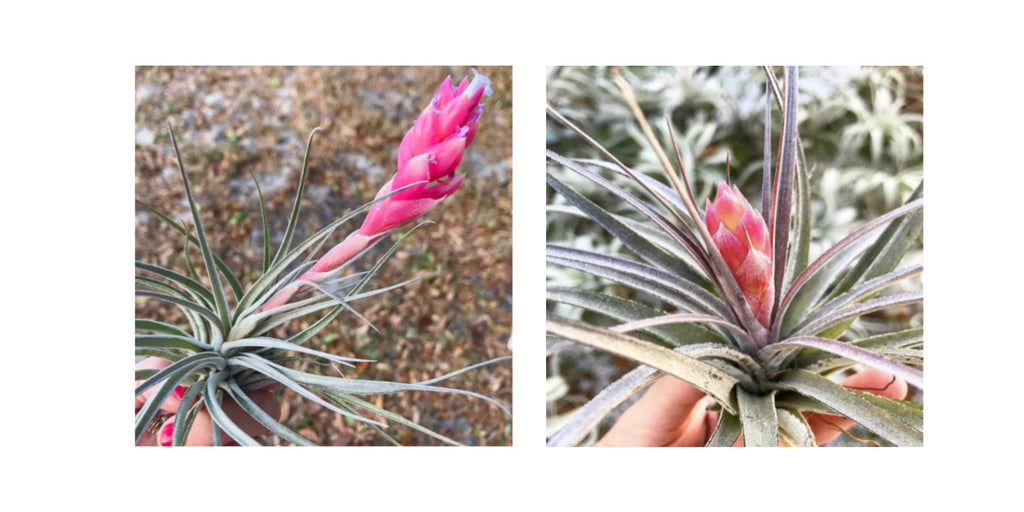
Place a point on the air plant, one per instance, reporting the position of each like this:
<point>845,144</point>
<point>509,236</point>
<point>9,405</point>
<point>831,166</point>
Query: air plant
<point>728,299</point>
<point>228,349</point>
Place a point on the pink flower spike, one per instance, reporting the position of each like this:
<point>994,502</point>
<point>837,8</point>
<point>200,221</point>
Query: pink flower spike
<point>442,189</point>
<point>416,169</point>
<point>398,213</point>
<point>729,207</point>
<point>447,156</point>
<point>741,236</point>
<point>430,152</point>
<point>445,92</point>
<point>711,218</point>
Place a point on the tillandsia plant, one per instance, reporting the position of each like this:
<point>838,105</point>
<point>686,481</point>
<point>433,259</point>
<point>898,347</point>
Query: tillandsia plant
<point>729,300</point>
<point>229,350</point>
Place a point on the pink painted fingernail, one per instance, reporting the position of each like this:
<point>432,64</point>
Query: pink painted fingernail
<point>166,436</point>
<point>179,392</point>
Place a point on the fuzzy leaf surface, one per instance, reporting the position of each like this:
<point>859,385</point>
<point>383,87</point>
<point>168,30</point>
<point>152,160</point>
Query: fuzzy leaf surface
<point>703,376</point>
<point>852,405</point>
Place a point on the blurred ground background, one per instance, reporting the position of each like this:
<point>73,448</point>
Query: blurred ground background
<point>234,124</point>
<point>863,135</point>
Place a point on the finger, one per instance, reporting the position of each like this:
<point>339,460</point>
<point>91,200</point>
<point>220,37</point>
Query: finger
<point>170,404</point>
<point>827,427</point>
<point>671,413</point>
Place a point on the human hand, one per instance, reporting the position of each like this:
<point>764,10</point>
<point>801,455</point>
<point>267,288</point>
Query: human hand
<point>673,413</point>
<point>201,433</point>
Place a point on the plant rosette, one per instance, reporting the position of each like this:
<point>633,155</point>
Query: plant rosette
<point>228,353</point>
<point>728,300</point>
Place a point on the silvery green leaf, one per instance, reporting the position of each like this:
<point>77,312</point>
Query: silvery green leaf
<point>843,247</point>
<point>726,432</point>
<point>586,418</point>
<point>232,280</point>
<point>253,409</point>
<point>356,401</point>
<point>794,429</point>
<point>852,405</point>
<point>220,418</point>
<point>852,352</point>
<point>634,241</point>
<point>293,218</point>
<point>275,372</point>
<point>170,341</point>
<point>649,279</point>
<point>862,291</point>
<point>888,250</point>
<point>858,309</point>
<point>627,310</point>
<point>143,324</point>
<point>701,375</point>
<point>758,417</point>
<point>197,289</point>
<point>220,300</point>
<point>822,362</point>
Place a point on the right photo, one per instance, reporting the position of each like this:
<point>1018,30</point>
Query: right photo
<point>735,256</point>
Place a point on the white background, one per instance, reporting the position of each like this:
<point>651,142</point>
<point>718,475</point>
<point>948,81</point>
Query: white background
<point>67,189</point>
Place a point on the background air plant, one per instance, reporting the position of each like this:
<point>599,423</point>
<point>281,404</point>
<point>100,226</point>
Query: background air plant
<point>681,302</point>
<point>402,348</point>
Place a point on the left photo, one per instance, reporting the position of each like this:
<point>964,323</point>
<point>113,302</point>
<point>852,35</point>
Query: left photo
<point>323,256</point>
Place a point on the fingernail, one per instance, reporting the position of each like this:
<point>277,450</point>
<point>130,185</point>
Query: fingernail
<point>166,436</point>
<point>179,392</point>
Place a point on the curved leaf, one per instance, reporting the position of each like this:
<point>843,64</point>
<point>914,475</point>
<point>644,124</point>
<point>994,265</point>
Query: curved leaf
<point>267,280</point>
<point>193,286</point>
<point>269,422</point>
<point>859,309</point>
<point>701,375</point>
<point>187,413</point>
<point>794,429</point>
<point>852,405</point>
<point>626,310</point>
<point>861,291</point>
<point>178,372</point>
<point>220,300</point>
<point>260,342</point>
<point>144,324</point>
<point>683,318</point>
<point>888,249</point>
<point>293,218</point>
<point>666,286</point>
<point>273,371</point>
<point>188,364</point>
<point>264,224</point>
<point>201,329</point>
<point>587,417</point>
<point>643,230</point>
<point>667,195</point>
<point>229,276</point>
<point>342,397</point>
<point>209,315</point>
<point>910,412</point>
<point>630,238</point>
<point>726,432</point>
<point>219,417</point>
<point>170,341</point>
<point>840,248</point>
<point>854,353</point>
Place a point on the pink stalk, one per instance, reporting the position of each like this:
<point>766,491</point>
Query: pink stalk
<point>430,152</point>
